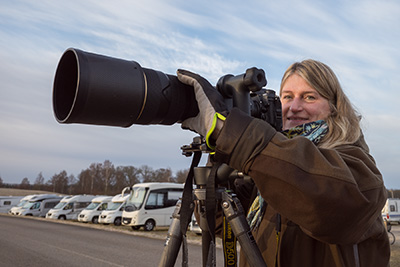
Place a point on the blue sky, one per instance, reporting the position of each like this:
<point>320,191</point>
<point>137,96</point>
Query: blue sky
<point>360,40</point>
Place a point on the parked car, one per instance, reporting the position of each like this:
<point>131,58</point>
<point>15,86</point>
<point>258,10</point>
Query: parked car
<point>391,210</point>
<point>151,204</point>
<point>69,207</point>
<point>22,202</point>
<point>39,205</point>
<point>92,212</point>
<point>6,203</point>
<point>113,213</point>
<point>194,226</point>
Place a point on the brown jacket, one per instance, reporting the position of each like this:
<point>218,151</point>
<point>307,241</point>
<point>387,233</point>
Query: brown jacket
<point>329,200</point>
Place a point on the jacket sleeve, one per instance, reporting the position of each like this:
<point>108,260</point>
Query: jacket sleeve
<point>334,195</point>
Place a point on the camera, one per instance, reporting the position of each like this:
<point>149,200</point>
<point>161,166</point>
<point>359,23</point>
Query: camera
<point>96,89</point>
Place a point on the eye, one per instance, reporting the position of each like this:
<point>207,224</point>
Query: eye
<point>286,97</point>
<point>310,97</point>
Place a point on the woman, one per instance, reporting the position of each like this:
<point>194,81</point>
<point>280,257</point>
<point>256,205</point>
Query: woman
<point>320,193</point>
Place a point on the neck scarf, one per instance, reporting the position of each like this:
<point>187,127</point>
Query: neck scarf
<point>314,131</point>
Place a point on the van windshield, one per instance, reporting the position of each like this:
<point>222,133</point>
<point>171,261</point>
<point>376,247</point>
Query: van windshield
<point>60,205</point>
<point>137,197</point>
<point>114,205</point>
<point>93,206</point>
<point>22,203</point>
<point>34,205</point>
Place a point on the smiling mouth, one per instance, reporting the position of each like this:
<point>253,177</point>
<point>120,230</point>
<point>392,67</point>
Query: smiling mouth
<point>297,119</point>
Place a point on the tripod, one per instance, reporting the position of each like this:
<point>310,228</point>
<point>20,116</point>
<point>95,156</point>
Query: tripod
<point>232,210</point>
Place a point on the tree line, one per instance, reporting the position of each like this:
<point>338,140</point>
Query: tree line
<point>100,179</point>
<point>105,178</point>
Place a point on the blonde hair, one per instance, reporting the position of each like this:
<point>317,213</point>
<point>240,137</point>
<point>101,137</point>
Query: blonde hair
<point>344,121</point>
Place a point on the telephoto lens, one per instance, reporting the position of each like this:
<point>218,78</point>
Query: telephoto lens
<point>95,89</point>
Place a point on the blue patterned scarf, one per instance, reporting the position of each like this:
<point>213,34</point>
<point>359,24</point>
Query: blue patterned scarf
<point>314,131</point>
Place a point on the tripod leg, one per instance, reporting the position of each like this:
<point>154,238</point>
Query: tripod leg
<point>205,241</point>
<point>173,241</point>
<point>233,211</point>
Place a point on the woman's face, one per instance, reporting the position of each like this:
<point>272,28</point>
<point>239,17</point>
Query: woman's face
<point>301,103</point>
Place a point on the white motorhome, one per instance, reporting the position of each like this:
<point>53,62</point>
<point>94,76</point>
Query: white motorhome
<point>70,207</point>
<point>151,204</point>
<point>391,210</point>
<point>6,203</point>
<point>22,202</point>
<point>39,205</point>
<point>113,213</point>
<point>92,212</point>
<point>194,226</point>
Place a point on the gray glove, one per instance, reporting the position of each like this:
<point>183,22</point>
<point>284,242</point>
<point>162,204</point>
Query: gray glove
<point>210,102</point>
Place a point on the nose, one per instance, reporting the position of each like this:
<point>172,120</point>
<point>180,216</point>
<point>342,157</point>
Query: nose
<point>296,105</point>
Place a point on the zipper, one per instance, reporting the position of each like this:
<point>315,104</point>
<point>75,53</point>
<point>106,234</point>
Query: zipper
<point>356,255</point>
<point>278,236</point>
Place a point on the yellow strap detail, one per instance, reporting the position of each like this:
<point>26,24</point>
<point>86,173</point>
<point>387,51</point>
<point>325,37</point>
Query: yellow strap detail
<point>214,124</point>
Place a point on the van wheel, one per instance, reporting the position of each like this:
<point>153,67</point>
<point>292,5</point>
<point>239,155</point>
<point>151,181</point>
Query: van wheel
<point>117,221</point>
<point>95,219</point>
<point>149,225</point>
<point>62,217</point>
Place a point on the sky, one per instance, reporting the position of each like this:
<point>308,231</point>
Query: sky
<point>358,39</point>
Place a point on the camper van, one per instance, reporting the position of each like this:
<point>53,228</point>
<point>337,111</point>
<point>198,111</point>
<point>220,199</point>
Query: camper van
<point>22,202</point>
<point>194,226</point>
<point>69,207</point>
<point>6,203</point>
<point>39,205</point>
<point>92,212</point>
<point>391,210</point>
<point>151,204</point>
<point>113,213</point>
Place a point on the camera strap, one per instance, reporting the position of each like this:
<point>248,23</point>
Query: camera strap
<point>211,209</point>
<point>187,205</point>
<point>229,244</point>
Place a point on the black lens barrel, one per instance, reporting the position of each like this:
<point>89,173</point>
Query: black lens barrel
<point>96,89</point>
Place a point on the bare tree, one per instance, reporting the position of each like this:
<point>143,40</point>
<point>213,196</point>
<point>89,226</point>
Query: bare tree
<point>108,174</point>
<point>163,175</point>
<point>103,178</point>
<point>126,176</point>
<point>181,176</point>
<point>25,184</point>
<point>59,182</point>
<point>71,184</point>
<point>83,184</point>
<point>147,174</point>
<point>96,182</point>
<point>39,182</point>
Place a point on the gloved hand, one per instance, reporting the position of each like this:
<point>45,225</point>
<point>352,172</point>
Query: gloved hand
<point>211,105</point>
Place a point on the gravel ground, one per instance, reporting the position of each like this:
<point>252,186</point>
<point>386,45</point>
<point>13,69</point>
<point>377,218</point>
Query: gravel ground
<point>161,233</point>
